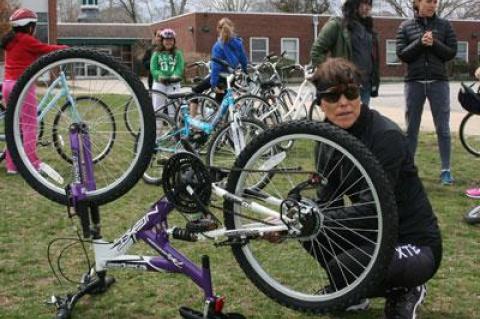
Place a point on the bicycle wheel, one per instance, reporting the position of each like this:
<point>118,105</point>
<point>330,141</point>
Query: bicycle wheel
<point>288,96</point>
<point>253,106</point>
<point>221,150</point>
<point>101,124</point>
<point>315,113</point>
<point>207,108</point>
<point>325,170</point>
<point>470,133</point>
<point>87,74</point>
<point>166,143</point>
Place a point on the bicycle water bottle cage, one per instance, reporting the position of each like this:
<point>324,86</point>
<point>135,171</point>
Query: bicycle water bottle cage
<point>186,183</point>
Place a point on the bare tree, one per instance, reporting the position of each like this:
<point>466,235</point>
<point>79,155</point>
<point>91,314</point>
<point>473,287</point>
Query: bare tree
<point>177,7</point>
<point>446,8</point>
<point>229,5</point>
<point>131,8</point>
<point>301,6</point>
<point>68,10</point>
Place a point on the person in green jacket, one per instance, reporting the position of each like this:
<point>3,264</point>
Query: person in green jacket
<point>352,37</point>
<point>166,66</point>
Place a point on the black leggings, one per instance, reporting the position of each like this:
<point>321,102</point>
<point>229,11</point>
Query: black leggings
<point>205,85</point>
<point>410,266</point>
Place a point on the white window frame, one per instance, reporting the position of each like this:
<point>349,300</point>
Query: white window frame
<point>106,50</point>
<point>387,52</point>
<point>466,50</point>
<point>297,42</point>
<point>267,47</point>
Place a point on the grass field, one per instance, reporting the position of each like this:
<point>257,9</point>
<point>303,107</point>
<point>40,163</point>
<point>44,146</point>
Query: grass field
<point>29,222</point>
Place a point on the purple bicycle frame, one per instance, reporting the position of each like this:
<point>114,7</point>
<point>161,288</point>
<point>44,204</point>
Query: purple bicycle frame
<point>152,228</point>
<point>83,177</point>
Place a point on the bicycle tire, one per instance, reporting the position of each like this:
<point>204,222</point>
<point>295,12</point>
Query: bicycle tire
<point>116,174</point>
<point>222,137</point>
<point>471,142</point>
<point>299,287</point>
<point>288,97</point>
<point>164,127</point>
<point>207,108</point>
<point>253,106</point>
<point>315,112</point>
<point>58,141</point>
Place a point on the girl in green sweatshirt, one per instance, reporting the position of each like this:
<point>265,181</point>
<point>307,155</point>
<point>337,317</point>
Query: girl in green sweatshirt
<point>166,66</point>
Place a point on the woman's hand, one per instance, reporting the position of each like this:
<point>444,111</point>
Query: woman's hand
<point>427,39</point>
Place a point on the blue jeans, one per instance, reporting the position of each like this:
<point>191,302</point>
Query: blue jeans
<point>438,95</point>
<point>365,92</point>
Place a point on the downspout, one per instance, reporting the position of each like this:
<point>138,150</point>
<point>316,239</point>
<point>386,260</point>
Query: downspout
<point>315,20</point>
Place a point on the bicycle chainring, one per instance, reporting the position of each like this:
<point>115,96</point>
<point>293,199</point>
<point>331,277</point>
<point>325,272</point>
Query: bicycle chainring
<point>186,182</point>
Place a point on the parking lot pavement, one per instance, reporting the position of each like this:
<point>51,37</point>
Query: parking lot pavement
<point>391,103</point>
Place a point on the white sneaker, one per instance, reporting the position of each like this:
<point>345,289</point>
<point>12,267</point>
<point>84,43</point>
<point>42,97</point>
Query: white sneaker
<point>48,171</point>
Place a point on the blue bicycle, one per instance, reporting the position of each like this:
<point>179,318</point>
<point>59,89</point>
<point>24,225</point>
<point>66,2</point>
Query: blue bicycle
<point>225,133</point>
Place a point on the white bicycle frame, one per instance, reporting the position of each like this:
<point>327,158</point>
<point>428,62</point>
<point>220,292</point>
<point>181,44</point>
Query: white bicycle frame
<point>114,255</point>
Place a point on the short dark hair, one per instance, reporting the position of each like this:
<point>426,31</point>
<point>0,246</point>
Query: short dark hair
<point>335,71</point>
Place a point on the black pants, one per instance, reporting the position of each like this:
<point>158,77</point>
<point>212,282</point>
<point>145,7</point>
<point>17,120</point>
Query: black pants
<point>410,266</point>
<point>205,85</point>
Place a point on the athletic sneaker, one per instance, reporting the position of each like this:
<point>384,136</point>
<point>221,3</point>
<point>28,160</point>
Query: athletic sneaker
<point>361,306</point>
<point>473,193</point>
<point>446,177</point>
<point>403,303</point>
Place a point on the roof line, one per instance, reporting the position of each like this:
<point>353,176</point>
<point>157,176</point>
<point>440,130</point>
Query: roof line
<point>102,38</point>
<point>393,17</point>
<point>105,24</point>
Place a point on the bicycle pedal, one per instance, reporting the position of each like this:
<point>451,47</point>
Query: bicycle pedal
<point>201,225</point>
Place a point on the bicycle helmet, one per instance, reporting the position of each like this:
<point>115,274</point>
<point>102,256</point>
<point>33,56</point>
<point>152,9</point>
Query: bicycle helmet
<point>168,34</point>
<point>21,17</point>
<point>469,99</point>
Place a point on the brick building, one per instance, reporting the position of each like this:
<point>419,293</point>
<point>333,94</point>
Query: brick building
<point>262,33</point>
<point>267,32</point>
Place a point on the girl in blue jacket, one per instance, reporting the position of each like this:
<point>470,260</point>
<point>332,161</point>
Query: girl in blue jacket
<point>228,47</point>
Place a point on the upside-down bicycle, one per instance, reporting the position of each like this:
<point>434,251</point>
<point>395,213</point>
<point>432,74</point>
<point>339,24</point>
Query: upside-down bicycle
<point>270,190</point>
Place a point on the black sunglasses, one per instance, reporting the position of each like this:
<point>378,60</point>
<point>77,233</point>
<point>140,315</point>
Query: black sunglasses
<point>333,94</point>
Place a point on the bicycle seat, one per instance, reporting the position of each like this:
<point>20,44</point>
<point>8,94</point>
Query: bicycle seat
<point>181,94</point>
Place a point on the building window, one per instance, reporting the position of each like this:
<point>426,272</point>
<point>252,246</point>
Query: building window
<point>478,52</point>
<point>258,49</point>
<point>91,70</point>
<point>291,47</point>
<point>391,56</point>
<point>462,51</point>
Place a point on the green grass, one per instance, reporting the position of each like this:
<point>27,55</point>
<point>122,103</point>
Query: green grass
<point>28,222</point>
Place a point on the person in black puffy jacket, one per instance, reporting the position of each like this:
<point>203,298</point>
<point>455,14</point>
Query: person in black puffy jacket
<point>418,251</point>
<point>425,43</point>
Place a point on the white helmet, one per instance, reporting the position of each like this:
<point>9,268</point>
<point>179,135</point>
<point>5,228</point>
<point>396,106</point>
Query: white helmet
<point>21,17</point>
